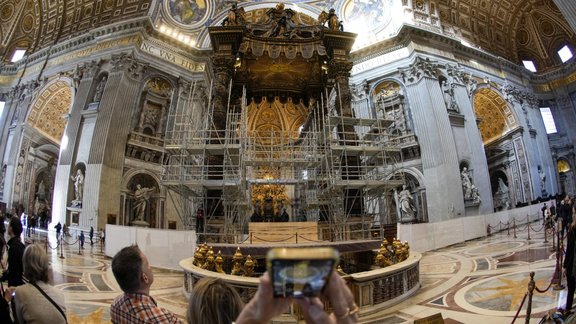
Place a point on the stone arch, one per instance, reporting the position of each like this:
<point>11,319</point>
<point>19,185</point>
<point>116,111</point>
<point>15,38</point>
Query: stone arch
<point>496,116</point>
<point>565,174</point>
<point>414,180</point>
<point>155,208</point>
<point>48,111</point>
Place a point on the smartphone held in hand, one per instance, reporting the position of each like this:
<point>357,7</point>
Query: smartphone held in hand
<point>300,272</point>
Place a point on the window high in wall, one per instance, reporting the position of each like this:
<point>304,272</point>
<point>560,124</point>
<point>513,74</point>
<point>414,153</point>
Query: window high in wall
<point>548,120</point>
<point>565,54</point>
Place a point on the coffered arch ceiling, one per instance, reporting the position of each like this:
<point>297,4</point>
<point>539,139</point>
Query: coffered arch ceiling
<point>49,109</point>
<point>513,29</point>
<point>496,118</point>
<point>37,24</point>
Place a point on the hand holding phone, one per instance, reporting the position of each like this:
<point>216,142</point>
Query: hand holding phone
<point>300,272</point>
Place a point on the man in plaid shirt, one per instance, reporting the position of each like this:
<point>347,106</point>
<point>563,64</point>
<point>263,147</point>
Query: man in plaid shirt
<point>134,275</point>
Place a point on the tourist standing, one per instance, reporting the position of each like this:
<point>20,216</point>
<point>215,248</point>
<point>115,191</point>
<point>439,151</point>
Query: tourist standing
<point>91,236</point>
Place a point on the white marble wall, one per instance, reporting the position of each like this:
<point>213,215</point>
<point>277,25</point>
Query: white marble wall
<point>430,236</point>
<point>164,248</point>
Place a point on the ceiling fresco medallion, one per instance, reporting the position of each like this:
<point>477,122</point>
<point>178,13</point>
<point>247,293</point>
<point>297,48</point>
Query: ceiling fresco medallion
<point>188,13</point>
<point>366,15</point>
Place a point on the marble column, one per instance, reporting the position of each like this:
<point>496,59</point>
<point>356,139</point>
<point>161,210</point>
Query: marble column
<point>223,69</point>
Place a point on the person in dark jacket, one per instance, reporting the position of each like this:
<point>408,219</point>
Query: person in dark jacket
<point>91,236</point>
<point>15,253</point>
<point>570,266</point>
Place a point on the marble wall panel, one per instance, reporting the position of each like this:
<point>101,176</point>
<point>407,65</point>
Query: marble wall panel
<point>164,248</point>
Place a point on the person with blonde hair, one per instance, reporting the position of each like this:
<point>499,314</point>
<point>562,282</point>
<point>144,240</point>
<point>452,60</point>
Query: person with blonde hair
<point>38,301</point>
<point>213,301</point>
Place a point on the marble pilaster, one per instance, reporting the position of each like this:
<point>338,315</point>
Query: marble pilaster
<point>103,179</point>
<point>432,126</point>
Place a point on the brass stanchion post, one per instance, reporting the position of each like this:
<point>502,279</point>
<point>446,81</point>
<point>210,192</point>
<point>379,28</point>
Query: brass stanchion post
<point>531,285</point>
<point>514,223</point>
<point>557,278</point>
<point>61,247</point>
<point>528,226</point>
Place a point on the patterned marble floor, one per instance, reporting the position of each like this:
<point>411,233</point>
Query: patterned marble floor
<point>473,282</point>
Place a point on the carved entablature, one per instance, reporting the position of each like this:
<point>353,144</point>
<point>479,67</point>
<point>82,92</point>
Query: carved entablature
<point>422,68</point>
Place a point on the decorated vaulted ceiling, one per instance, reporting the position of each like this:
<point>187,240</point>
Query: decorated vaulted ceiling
<point>513,29</point>
<point>495,116</point>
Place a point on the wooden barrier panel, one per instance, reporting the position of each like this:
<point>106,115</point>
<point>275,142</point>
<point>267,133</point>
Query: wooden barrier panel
<point>290,232</point>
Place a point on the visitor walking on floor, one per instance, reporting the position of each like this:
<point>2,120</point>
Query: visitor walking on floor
<point>58,228</point>
<point>82,239</point>
<point>91,236</point>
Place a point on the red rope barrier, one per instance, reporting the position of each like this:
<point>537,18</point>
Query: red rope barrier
<point>545,290</point>
<point>519,308</point>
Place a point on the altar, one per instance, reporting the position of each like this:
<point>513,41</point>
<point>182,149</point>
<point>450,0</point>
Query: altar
<point>280,232</point>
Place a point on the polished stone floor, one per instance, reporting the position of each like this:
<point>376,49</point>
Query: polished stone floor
<point>480,281</point>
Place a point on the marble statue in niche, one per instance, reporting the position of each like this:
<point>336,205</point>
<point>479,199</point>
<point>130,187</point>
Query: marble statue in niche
<point>406,204</point>
<point>448,93</point>
<point>469,189</point>
<point>78,188</point>
<point>542,177</point>
<point>99,89</point>
<point>141,199</point>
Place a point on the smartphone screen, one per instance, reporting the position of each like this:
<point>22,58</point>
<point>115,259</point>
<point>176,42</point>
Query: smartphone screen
<point>300,278</point>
